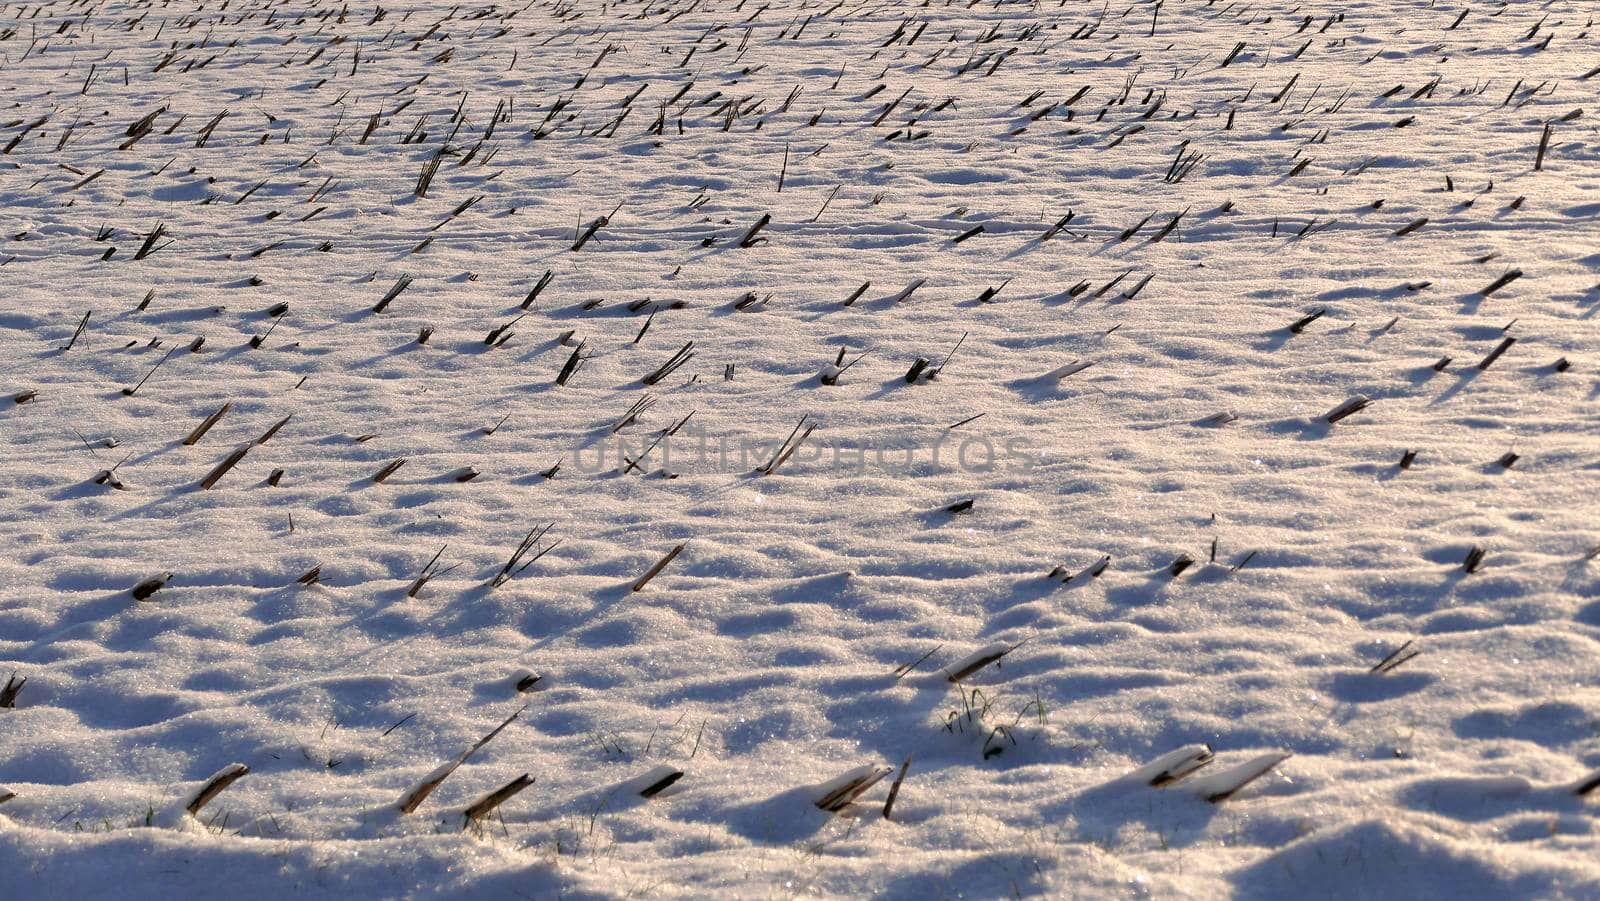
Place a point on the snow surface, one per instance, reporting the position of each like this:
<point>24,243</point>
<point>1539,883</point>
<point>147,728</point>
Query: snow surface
<point>762,660</point>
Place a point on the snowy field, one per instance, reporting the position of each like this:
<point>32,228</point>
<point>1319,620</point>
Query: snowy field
<point>375,379</point>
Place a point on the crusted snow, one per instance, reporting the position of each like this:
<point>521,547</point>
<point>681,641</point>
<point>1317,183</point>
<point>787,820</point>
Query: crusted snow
<point>762,660</point>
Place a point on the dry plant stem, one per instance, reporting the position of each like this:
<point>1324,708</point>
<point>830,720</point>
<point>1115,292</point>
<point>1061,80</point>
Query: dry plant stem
<point>413,799</point>
<point>215,786</point>
<point>661,564</point>
<point>487,804</point>
<point>894,788</point>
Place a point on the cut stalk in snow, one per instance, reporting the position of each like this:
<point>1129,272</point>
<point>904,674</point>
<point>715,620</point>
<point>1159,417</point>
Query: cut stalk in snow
<point>839,792</point>
<point>487,804</point>
<point>661,564</point>
<point>206,424</point>
<point>400,284</point>
<point>1349,408</point>
<point>1172,766</point>
<point>1396,658</point>
<point>977,660</point>
<point>9,692</point>
<point>517,563</point>
<point>658,780</point>
<point>894,788</point>
<point>429,573</point>
<point>413,798</point>
<point>147,588</point>
<point>221,469</point>
<point>683,355</point>
<point>750,238</point>
<point>1219,787</point>
<point>214,786</point>
<point>791,444</point>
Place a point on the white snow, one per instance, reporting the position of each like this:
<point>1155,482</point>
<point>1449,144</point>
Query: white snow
<point>1163,190</point>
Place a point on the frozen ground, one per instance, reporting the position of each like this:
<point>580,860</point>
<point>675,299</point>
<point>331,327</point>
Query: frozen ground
<point>1292,142</point>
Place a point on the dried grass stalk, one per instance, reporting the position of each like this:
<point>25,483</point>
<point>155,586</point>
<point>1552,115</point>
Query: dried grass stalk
<point>214,786</point>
